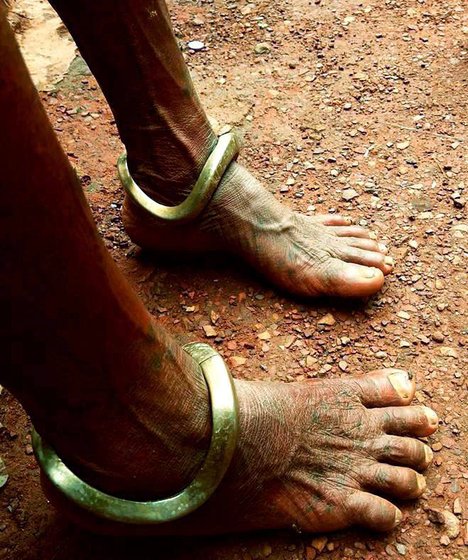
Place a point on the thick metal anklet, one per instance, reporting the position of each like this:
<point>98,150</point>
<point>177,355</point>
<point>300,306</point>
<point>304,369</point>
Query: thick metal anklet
<point>226,150</point>
<point>224,409</point>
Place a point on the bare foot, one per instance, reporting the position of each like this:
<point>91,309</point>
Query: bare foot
<point>308,256</point>
<point>315,456</point>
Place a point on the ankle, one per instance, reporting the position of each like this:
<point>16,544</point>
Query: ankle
<point>154,432</point>
<point>167,169</point>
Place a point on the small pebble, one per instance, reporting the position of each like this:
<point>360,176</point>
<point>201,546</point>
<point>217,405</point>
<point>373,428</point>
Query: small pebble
<point>448,352</point>
<point>196,45</point>
<point>319,543</point>
<point>447,519</point>
<point>236,361</point>
<point>444,540</point>
<point>262,48</point>
<point>349,194</point>
<point>327,319</point>
<point>437,336</point>
<point>210,331</point>
<point>264,335</point>
<point>401,548</point>
<point>402,145</point>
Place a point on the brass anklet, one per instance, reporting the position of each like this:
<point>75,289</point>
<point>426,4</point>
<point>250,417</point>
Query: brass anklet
<point>226,150</point>
<point>224,410</point>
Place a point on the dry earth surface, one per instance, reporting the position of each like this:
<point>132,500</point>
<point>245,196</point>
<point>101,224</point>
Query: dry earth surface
<point>356,107</point>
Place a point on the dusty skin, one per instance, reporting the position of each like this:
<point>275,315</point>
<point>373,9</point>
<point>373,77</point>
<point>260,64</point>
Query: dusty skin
<point>33,529</point>
<point>304,255</point>
<point>315,456</point>
<point>168,139</point>
<point>311,455</point>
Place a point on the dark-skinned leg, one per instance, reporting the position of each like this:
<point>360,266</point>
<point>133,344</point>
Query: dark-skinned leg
<point>117,398</point>
<point>131,48</point>
<point>78,332</point>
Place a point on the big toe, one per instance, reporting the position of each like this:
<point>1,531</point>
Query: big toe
<point>338,278</point>
<point>385,387</point>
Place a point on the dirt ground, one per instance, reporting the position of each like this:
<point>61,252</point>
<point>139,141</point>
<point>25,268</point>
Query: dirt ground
<point>356,107</point>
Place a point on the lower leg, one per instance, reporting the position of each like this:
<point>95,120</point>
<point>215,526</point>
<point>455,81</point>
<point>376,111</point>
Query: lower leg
<point>117,399</point>
<point>131,49</point>
<point>134,54</point>
<point>78,332</point>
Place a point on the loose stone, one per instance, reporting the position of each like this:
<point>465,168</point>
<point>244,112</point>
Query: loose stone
<point>262,48</point>
<point>437,336</point>
<point>327,319</point>
<point>196,45</point>
<point>401,549</point>
<point>319,543</point>
<point>402,145</point>
<point>210,331</point>
<point>349,194</point>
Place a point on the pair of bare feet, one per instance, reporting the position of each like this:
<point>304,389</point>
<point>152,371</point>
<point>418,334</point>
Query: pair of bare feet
<point>319,455</point>
<point>111,391</point>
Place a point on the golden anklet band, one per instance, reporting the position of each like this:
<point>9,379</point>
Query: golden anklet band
<point>224,410</point>
<point>226,150</point>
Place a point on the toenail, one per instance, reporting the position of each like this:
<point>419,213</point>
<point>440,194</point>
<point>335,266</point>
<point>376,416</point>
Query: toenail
<point>421,482</point>
<point>372,235</point>
<point>383,248</point>
<point>431,416</point>
<point>389,261</point>
<point>428,454</point>
<point>401,383</point>
<point>398,517</point>
<point>369,272</point>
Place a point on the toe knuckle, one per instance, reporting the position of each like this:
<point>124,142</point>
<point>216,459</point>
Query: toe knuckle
<point>393,448</point>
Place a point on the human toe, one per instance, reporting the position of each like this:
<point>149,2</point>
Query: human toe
<point>385,387</point>
<point>350,231</point>
<point>404,451</point>
<point>373,512</point>
<point>332,220</point>
<point>399,482</point>
<point>416,421</point>
<point>371,258</point>
<point>367,244</point>
<point>348,279</point>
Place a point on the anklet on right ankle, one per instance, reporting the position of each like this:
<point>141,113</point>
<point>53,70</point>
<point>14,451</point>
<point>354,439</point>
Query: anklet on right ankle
<point>224,410</point>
